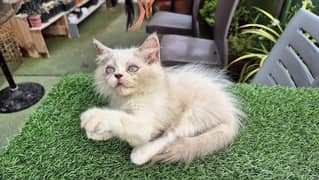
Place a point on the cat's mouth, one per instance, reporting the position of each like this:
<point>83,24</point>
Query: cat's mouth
<point>120,85</point>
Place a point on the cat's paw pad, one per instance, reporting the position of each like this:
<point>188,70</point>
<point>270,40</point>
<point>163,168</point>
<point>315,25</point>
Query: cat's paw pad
<point>139,157</point>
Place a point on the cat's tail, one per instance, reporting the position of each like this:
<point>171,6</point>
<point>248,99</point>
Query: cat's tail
<point>186,149</point>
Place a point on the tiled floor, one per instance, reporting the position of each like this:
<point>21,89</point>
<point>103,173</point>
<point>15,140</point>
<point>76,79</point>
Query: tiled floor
<point>69,56</point>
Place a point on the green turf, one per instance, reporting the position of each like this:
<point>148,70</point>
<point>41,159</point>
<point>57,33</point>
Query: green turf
<point>279,139</point>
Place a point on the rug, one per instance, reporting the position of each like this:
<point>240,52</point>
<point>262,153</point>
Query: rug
<point>278,139</point>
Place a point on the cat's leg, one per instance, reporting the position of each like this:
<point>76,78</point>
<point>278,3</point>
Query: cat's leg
<point>104,121</point>
<point>98,122</point>
<point>142,154</point>
<point>197,137</point>
<point>185,128</point>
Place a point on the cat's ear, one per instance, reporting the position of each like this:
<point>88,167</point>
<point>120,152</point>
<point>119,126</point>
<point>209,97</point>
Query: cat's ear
<point>101,48</point>
<point>150,49</point>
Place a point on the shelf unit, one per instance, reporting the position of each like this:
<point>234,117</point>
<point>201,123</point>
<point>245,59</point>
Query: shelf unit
<point>90,11</point>
<point>73,26</point>
<point>51,20</point>
<point>32,39</point>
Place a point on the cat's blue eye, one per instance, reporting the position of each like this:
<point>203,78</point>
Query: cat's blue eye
<point>132,68</point>
<point>109,69</point>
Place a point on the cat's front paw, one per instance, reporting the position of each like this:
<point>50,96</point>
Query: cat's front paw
<point>99,136</point>
<point>95,124</point>
<point>139,155</point>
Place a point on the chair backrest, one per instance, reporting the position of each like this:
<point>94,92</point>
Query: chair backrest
<point>294,59</point>
<point>224,12</point>
<point>195,23</point>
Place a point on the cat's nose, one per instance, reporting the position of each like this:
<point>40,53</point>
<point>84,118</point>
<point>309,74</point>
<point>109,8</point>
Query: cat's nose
<point>118,76</point>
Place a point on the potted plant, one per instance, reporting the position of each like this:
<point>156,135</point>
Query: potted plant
<point>45,14</point>
<point>265,34</point>
<point>33,10</point>
<point>59,6</point>
<point>49,9</point>
<point>54,7</point>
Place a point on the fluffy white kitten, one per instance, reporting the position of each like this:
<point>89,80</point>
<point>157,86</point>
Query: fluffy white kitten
<point>167,115</point>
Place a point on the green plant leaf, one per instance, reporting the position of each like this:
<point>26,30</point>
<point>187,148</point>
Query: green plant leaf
<point>262,60</point>
<point>261,33</point>
<point>251,67</point>
<point>247,56</point>
<point>262,27</point>
<point>260,50</point>
<point>250,74</point>
<point>264,48</point>
<point>242,72</point>
<point>247,69</point>
<point>271,17</point>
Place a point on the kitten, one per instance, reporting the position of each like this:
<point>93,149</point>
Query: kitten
<point>167,115</point>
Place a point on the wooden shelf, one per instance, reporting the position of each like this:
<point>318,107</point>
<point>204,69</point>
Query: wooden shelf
<point>90,11</point>
<point>51,20</point>
<point>32,39</point>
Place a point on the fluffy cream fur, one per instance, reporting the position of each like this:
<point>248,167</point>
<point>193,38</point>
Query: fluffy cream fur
<point>167,115</point>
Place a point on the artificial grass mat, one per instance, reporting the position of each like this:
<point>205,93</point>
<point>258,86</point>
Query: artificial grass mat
<point>278,139</point>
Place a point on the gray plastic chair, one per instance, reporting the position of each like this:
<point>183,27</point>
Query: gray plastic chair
<point>164,22</point>
<point>176,49</point>
<point>294,59</point>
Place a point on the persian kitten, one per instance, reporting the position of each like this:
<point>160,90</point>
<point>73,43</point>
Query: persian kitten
<point>166,114</point>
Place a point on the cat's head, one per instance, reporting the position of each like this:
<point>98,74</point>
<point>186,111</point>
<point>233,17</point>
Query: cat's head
<point>126,72</point>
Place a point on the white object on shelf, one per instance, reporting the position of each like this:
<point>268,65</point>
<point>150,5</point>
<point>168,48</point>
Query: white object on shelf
<point>73,25</point>
<point>84,10</point>
<point>72,18</point>
<point>90,11</point>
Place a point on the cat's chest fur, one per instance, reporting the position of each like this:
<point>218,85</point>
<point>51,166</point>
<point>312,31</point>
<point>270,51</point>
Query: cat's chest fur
<point>158,110</point>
